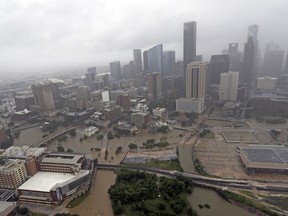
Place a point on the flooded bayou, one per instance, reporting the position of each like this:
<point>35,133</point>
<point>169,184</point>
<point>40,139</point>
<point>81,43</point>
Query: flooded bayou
<point>98,202</point>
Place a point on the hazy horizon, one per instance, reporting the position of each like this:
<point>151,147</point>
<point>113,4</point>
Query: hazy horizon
<point>50,35</point>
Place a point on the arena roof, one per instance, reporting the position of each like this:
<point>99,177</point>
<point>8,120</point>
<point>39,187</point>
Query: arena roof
<point>266,154</point>
<point>44,181</point>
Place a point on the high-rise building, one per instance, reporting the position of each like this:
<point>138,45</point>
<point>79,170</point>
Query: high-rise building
<point>154,88</point>
<point>12,173</point>
<point>273,60</point>
<point>145,61</point>
<point>168,62</point>
<point>115,69</point>
<point>233,48</point>
<point>189,45</point>
<point>228,86</point>
<point>253,32</point>
<point>286,65</point>
<point>196,80</point>
<point>90,79</point>
<point>199,58</point>
<point>153,59</point>
<point>128,71</point>
<point>235,57</point>
<point>43,96</point>
<point>92,70</point>
<point>246,74</point>
<point>137,54</point>
<point>218,64</point>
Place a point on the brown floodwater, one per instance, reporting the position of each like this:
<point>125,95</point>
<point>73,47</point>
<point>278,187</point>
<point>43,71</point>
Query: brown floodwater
<point>29,136</point>
<point>98,202</point>
<point>218,206</point>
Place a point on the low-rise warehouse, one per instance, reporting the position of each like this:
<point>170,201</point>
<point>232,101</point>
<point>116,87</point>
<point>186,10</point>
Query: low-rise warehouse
<point>265,158</point>
<point>51,187</point>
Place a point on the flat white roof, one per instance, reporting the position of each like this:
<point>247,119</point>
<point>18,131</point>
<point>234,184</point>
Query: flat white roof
<point>44,181</point>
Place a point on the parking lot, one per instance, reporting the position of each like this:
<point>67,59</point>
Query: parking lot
<point>221,158</point>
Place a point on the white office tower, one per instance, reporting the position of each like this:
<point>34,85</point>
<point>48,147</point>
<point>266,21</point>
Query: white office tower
<point>196,80</point>
<point>228,86</point>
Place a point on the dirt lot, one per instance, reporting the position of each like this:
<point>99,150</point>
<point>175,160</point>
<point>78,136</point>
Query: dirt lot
<point>238,136</point>
<point>221,158</point>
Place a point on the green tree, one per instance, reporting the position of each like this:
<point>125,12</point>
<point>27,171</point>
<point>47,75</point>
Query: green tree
<point>110,135</point>
<point>60,148</point>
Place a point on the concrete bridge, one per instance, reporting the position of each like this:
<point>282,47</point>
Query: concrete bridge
<point>52,136</point>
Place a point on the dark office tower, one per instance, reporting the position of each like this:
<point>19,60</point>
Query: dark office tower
<point>115,69</point>
<point>90,80</point>
<point>145,61</point>
<point>153,59</point>
<point>199,58</point>
<point>189,45</point>
<point>235,57</point>
<point>168,62</point>
<point>92,70</point>
<point>137,60</point>
<point>248,66</point>
<point>154,88</point>
<point>253,32</point>
<point>128,71</point>
<point>273,60</point>
<point>233,49</point>
<point>218,64</point>
<point>286,65</point>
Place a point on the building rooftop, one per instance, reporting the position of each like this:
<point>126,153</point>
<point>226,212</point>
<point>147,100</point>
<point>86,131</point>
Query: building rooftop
<point>23,151</point>
<point>6,207</point>
<point>62,158</point>
<point>266,154</point>
<point>45,181</point>
<point>91,128</point>
<point>8,165</point>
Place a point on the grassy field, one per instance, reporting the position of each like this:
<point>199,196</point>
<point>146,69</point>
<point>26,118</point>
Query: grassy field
<point>165,165</point>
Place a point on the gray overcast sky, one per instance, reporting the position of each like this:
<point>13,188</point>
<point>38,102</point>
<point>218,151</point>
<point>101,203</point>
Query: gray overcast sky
<point>38,34</point>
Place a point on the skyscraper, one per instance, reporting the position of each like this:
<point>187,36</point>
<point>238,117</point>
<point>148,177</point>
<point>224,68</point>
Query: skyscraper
<point>228,86</point>
<point>153,59</point>
<point>115,69</point>
<point>246,74</point>
<point>286,65</point>
<point>273,60</point>
<point>92,70</point>
<point>90,79</point>
<point>168,62</point>
<point>235,57</point>
<point>43,96</point>
<point>154,86</point>
<point>196,80</point>
<point>253,32</point>
<point>137,60</point>
<point>218,64</point>
<point>189,45</point>
<point>145,61</point>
